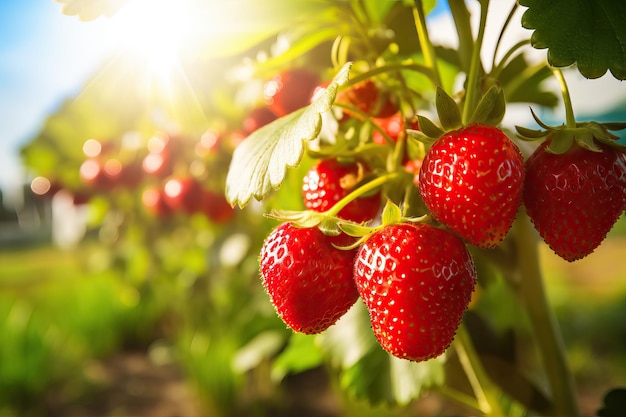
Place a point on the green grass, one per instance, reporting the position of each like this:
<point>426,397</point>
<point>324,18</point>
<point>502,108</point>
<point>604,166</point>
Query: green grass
<point>54,316</point>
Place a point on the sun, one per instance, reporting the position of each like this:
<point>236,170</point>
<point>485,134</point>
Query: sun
<point>155,33</point>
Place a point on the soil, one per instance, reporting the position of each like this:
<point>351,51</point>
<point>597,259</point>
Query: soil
<point>131,385</point>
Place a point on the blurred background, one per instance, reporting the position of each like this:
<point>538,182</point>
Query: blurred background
<point>128,286</point>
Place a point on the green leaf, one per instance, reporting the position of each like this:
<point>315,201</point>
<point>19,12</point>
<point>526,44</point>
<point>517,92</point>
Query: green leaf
<point>235,26</point>
<point>614,403</point>
<point>370,373</point>
<point>447,110</point>
<point>260,163</point>
<point>590,33</point>
<point>263,346</point>
<point>301,354</point>
<point>428,128</point>
<point>523,82</point>
<point>490,107</point>
<point>88,10</point>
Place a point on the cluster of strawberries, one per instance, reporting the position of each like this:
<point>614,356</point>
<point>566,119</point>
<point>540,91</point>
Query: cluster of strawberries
<point>416,278</point>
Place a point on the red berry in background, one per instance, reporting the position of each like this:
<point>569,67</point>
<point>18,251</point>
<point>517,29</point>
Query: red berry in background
<point>184,194</point>
<point>308,280</point>
<point>290,90</point>
<point>472,181</point>
<point>157,164</point>
<point>416,281</point>
<point>92,174</point>
<point>391,125</point>
<point>123,174</point>
<point>210,144</point>
<point>216,207</point>
<point>413,166</point>
<point>575,198</point>
<point>153,200</point>
<point>164,151</point>
<point>258,117</point>
<point>329,180</point>
<point>369,99</point>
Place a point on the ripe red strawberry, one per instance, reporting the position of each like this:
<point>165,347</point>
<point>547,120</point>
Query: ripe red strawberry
<point>472,181</point>
<point>330,180</point>
<point>575,198</point>
<point>308,280</point>
<point>416,281</point>
<point>290,90</point>
<point>369,99</point>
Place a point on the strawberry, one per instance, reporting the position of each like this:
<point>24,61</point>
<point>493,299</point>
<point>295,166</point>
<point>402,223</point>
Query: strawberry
<point>309,281</point>
<point>290,90</point>
<point>472,181</point>
<point>368,98</point>
<point>575,198</point>
<point>416,281</point>
<point>330,180</point>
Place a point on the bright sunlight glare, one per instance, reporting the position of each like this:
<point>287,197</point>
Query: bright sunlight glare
<point>155,32</point>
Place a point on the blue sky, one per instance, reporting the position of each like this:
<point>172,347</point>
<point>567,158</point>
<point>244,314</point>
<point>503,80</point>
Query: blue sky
<point>44,57</point>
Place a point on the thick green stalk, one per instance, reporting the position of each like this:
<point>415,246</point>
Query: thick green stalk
<point>365,188</point>
<point>473,90</point>
<point>427,47</point>
<point>570,120</point>
<point>545,326</point>
<point>485,391</point>
<point>461,18</point>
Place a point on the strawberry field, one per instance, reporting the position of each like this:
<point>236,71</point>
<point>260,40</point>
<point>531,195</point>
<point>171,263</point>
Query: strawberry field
<point>329,208</point>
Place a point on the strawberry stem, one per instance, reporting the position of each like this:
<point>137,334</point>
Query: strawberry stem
<point>570,120</point>
<point>501,35</point>
<point>365,188</point>
<point>425,44</point>
<point>485,391</point>
<point>472,93</point>
<point>545,326</point>
<point>496,69</point>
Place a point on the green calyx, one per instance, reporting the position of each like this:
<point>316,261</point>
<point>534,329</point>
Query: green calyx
<point>585,134</point>
<point>392,214</point>
<point>489,110</point>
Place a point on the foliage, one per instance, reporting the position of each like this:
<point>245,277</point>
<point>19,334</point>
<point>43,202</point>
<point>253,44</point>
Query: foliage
<point>195,260</point>
<point>588,33</point>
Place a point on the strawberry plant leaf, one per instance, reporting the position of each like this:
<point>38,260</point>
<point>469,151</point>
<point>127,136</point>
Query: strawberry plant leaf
<point>490,107</point>
<point>301,354</point>
<point>88,10</point>
<point>447,110</point>
<point>260,163</point>
<point>428,128</point>
<point>523,83</point>
<point>370,373</point>
<point>590,33</point>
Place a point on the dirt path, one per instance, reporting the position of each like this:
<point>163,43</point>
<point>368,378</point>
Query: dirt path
<point>131,385</point>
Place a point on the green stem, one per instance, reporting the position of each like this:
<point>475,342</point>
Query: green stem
<point>570,120</point>
<point>472,93</point>
<point>545,326</point>
<point>458,397</point>
<point>496,69</point>
<point>425,44</point>
<point>461,18</point>
<point>413,66</point>
<point>501,35</point>
<point>485,391</point>
<point>365,188</point>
